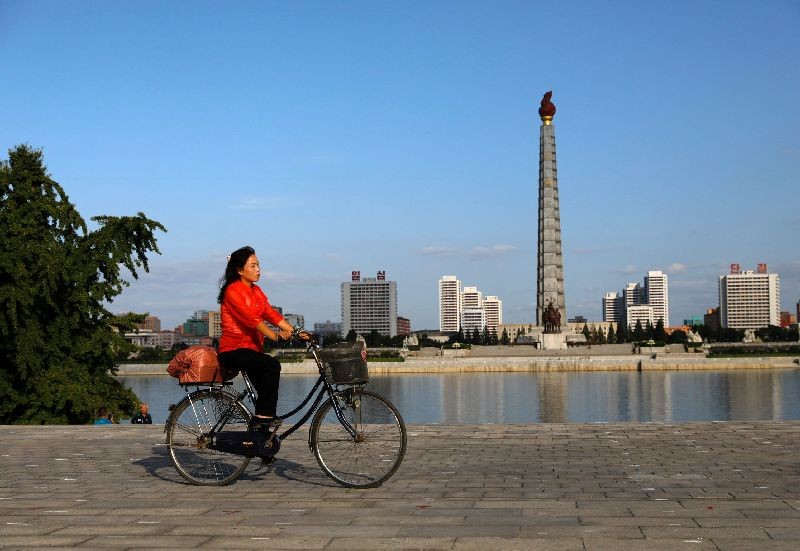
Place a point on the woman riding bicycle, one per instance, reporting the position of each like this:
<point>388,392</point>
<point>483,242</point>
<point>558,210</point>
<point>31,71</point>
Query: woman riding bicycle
<point>245,311</point>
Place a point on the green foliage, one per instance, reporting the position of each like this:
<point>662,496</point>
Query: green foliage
<point>504,337</point>
<point>754,349</point>
<point>622,332</point>
<point>57,339</point>
<point>659,334</point>
<point>638,334</point>
<point>425,340</point>
<point>650,331</point>
<point>774,333</point>
<point>351,336</point>
<point>612,338</point>
<point>678,337</point>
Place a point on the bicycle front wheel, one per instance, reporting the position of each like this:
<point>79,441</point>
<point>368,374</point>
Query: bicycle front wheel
<point>370,457</point>
<point>189,431</point>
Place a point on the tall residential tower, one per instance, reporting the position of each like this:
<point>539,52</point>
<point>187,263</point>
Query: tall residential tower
<point>449,304</point>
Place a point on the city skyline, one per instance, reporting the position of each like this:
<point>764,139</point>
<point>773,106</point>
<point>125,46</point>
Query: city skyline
<point>404,138</point>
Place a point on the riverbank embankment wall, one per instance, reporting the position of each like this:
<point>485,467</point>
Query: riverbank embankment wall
<point>531,364</point>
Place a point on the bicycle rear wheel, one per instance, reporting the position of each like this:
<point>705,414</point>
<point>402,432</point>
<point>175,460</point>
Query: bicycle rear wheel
<point>374,454</point>
<point>189,432</point>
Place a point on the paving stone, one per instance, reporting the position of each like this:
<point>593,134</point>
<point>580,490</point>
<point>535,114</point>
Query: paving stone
<point>545,486</point>
<point>410,543</point>
<point>606,544</point>
<point>517,544</point>
<point>731,544</point>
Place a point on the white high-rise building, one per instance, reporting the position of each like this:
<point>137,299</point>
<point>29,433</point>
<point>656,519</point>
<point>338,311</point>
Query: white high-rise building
<point>613,308</point>
<point>632,295</point>
<point>640,312</point>
<point>493,308</point>
<point>473,319</point>
<point>471,297</point>
<point>749,300</point>
<point>657,289</point>
<point>450,306</point>
<point>369,304</point>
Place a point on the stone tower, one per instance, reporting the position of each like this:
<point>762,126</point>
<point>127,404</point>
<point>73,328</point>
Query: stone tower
<point>550,267</point>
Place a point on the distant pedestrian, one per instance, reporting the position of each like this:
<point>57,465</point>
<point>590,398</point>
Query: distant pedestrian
<point>142,418</point>
<point>102,417</point>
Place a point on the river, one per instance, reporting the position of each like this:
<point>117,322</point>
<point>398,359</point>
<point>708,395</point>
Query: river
<point>553,397</point>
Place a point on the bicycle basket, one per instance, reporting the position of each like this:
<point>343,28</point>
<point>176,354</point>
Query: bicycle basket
<point>346,363</point>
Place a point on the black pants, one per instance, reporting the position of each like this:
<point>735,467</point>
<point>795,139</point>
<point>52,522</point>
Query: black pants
<point>264,372</point>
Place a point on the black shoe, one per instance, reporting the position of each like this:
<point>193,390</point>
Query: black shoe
<point>262,424</point>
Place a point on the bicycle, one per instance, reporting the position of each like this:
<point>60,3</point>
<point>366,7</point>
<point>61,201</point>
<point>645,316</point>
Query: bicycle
<point>358,437</point>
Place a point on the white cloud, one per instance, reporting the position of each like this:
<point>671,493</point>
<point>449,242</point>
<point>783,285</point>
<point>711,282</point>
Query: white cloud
<point>474,253</point>
<point>676,268</point>
<point>629,269</point>
<point>438,251</point>
<point>333,257</point>
<point>494,250</point>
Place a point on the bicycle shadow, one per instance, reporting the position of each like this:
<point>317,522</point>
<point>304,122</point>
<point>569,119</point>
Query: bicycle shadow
<point>297,472</point>
<point>159,465</point>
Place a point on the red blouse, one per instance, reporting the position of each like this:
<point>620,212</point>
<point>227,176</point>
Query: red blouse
<point>244,307</point>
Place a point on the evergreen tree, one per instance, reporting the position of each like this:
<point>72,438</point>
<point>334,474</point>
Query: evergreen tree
<point>612,338</point>
<point>622,333</point>
<point>58,342</point>
<point>678,337</point>
<point>601,336</point>
<point>638,334</point>
<point>659,334</point>
<point>595,337</point>
<point>351,336</point>
<point>504,337</point>
<point>650,331</point>
<point>586,333</point>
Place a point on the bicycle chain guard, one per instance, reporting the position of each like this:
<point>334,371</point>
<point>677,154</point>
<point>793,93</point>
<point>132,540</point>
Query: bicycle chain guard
<point>246,443</point>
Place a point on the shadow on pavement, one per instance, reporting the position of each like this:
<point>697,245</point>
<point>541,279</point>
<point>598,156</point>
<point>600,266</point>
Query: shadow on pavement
<point>159,465</point>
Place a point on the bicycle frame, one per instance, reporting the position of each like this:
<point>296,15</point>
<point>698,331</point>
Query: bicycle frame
<point>324,386</point>
<point>327,388</point>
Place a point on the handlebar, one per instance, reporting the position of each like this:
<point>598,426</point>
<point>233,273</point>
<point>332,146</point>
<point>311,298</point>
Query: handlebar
<point>309,337</point>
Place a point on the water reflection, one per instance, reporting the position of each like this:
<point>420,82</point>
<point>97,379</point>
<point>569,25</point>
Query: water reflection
<point>556,397</point>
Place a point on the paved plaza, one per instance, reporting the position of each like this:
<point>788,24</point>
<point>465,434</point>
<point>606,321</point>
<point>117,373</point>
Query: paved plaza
<point>622,486</point>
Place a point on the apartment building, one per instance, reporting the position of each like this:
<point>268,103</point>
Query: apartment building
<point>749,299</point>
<point>369,304</point>
<point>450,305</point>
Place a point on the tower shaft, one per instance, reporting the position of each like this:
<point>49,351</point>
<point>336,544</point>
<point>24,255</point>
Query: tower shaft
<point>550,266</point>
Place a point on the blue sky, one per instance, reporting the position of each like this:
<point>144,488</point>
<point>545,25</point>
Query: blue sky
<point>403,136</point>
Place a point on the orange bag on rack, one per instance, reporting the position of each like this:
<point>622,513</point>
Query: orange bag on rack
<point>198,365</point>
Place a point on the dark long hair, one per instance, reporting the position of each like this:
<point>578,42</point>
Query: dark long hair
<point>236,262</point>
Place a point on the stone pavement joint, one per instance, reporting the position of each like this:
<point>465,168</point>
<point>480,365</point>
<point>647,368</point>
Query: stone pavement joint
<point>590,487</point>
